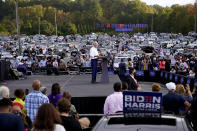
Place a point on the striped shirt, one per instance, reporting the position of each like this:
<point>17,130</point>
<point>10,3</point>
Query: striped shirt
<point>33,101</point>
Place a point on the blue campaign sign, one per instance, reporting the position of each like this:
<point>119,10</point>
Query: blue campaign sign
<point>188,80</point>
<point>171,76</point>
<point>139,73</point>
<point>161,73</point>
<point>142,101</point>
<point>152,73</point>
<point>182,80</point>
<point>176,78</point>
<point>166,75</point>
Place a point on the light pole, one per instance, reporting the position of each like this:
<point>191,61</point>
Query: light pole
<point>18,28</point>
<point>39,25</point>
<point>55,24</point>
<point>195,12</point>
<point>152,23</point>
<point>195,22</point>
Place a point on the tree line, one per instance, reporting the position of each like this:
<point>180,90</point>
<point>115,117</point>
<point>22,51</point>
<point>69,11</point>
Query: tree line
<point>82,16</point>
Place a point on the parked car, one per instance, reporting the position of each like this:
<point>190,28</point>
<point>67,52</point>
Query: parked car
<point>164,123</point>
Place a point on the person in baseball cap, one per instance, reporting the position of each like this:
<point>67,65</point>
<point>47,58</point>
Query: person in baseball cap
<point>171,86</point>
<point>172,102</point>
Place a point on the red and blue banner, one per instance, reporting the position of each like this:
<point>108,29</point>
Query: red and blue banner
<point>114,26</point>
<point>121,27</point>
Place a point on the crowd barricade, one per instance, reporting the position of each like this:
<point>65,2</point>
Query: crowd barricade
<point>87,70</point>
<point>37,70</point>
<point>73,70</point>
<point>89,105</point>
<point>68,70</point>
<point>63,72</point>
<point>164,77</point>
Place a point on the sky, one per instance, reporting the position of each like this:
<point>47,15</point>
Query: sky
<point>168,2</point>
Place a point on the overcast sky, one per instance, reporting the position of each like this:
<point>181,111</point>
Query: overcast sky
<point>168,2</point>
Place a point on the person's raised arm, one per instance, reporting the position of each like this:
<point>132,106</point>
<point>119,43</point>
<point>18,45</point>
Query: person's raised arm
<point>188,91</point>
<point>187,107</point>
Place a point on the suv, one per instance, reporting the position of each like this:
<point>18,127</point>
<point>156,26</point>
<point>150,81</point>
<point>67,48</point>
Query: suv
<point>163,123</point>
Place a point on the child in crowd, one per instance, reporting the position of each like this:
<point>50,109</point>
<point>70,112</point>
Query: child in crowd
<point>20,95</point>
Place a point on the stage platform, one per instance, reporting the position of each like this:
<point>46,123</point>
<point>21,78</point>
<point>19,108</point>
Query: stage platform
<point>77,85</point>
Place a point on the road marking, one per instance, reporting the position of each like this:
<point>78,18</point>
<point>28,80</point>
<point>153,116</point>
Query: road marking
<point>67,81</point>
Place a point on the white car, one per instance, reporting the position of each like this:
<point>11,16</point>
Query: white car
<point>6,55</point>
<point>192,45</point>
<point>164,123</point>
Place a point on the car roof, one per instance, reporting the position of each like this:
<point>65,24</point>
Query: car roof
<point>116,123</point>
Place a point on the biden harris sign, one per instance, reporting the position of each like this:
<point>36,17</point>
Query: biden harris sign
<point>134,101</point>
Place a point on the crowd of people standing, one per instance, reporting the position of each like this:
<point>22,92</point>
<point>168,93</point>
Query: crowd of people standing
<point>37,111</point>
<point>178,65</point>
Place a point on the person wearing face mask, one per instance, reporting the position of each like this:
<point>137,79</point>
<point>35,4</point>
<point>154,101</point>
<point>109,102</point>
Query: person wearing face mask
<point>131,81</point>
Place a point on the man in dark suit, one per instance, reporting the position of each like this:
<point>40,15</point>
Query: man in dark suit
<point>132,82</point>
<point>122,70</point>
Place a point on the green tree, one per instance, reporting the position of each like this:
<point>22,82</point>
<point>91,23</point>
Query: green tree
<point>69,28</point>
<point>47,28</point>
<point>3,30</point>
<point>9,24</point>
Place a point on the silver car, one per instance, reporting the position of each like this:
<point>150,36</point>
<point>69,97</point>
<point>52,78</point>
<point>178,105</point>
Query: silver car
<point>164,123</point>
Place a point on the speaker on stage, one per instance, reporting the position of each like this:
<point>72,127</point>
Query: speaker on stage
<point>7,70</point>
<point>2,70</point>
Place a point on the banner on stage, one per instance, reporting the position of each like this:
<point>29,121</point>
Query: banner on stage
<point>139,73</point>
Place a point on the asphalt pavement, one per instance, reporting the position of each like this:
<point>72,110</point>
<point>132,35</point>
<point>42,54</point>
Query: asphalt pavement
<point>77,85</point>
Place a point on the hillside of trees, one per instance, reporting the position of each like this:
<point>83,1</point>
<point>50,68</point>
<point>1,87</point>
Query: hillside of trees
<point>82,16</point>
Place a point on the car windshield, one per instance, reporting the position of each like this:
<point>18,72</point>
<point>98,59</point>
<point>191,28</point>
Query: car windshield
<point>117,60</point>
